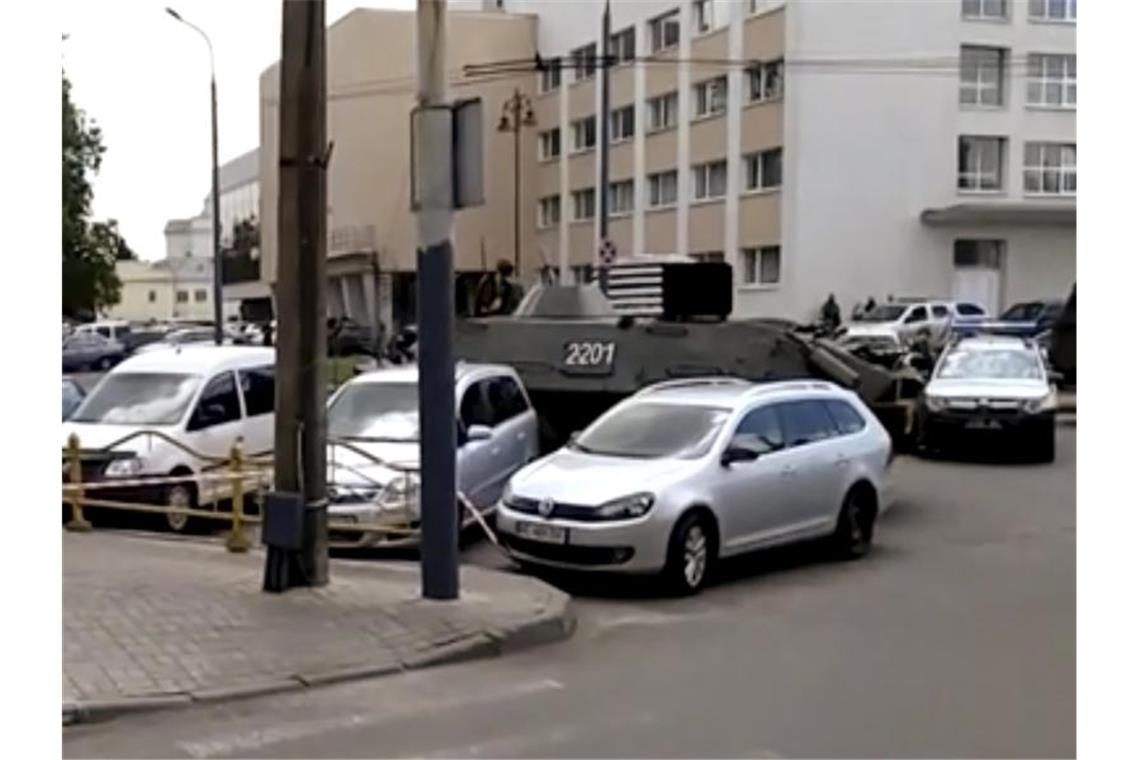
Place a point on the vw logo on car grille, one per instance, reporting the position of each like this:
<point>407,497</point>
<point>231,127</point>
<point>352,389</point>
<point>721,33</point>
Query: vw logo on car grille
<point>546,507</point>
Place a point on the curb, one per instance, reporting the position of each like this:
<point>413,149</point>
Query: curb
<point>556,623</point>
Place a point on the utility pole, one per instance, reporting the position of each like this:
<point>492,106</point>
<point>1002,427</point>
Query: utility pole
<point>300,428</point>
<point>435,303</point>
<point>604,149</point>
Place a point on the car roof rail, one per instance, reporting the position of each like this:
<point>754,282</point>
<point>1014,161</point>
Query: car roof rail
<point>695,382</point>
<point>790,385</point>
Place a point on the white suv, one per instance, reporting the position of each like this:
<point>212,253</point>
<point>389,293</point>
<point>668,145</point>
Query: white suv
<point>905,321</point>
<point>689,471</point>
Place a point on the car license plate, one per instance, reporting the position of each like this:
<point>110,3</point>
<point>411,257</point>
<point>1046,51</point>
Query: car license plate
<point>548,534</point>
<point>983,424</point>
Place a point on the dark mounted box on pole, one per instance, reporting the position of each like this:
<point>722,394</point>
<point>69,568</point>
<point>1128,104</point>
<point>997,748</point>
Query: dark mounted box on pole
<point>283,521</point>
<point>463,119</point>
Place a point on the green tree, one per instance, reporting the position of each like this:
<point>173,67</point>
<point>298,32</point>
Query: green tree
<point>90,250</point>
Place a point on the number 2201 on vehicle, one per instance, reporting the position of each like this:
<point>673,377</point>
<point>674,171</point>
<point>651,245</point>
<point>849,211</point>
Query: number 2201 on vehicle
<point>588,356</point>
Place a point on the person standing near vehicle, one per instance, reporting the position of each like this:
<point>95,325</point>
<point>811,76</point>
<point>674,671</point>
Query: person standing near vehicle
<point>830,314</point>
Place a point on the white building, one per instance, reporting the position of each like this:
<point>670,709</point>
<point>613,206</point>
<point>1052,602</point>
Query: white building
<point>869,148</point>
<point>171,289</point>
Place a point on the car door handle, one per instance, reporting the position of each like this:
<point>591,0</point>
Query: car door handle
<point>842,461</point>
<point>787,471</point>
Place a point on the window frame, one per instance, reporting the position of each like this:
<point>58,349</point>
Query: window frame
<point>702,175</point>
<point>981,14</point>
<point>657,178</point>
<point>579,195</point>
<point>977,85</point>
<point>659,31</point>
<point>546,218</point>
<point>1062,169</point>
<point>784,410</point>
<point>621,188</point>
<point>585,125</point>
<point>752,266</point>
<point>519,394</point>
<point>755,412</point>
<point>839,403</point>
<point>759,78</point>
<point>704,93</point>
<point>975,175</point>
<point>550,144</point>
<point>667,103</point>
<point>618,48</point>
<point>585,61</point>
<point>194,424</point>
<point>242,374</point>
<point>1042,80</point>
<point>617,118</point>
<point>754,165</point>
<point>1043,16</point>
<point>550,77</point>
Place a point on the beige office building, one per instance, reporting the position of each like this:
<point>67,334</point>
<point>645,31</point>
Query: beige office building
<point>862,148</point>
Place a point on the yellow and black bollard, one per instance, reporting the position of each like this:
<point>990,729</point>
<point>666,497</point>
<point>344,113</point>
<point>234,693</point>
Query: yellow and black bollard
<point>236,540</point>
<point>75,474</point>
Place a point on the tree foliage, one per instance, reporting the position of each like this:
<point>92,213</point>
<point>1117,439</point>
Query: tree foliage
<point>90,249</point>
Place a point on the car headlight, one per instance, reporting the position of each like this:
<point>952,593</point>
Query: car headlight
<point>937,403</point>
<point>626,507</point>
<point>508,494</point>
<point>401,493</point>
<point>124,468</point>
<point>1042,404</point>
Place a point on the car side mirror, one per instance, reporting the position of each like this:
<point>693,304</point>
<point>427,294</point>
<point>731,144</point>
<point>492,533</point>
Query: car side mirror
<point>1056,377</point>
<point>574,436</point>
<point>478,433</point>
<point>737,454</point>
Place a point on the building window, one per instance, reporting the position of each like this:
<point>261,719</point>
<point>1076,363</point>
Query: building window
<point>985,9</point>
<point>986,254</point>
<point>766,81</point>
<point>759,6</point>
<point>708,15</point>
<point>708,257</point>
<point>199,296</point>
<point>182,296</point>
<point>585,61</point>
<point>549,211</point>
<point>621,124</point>
<point>584,204</point>
<point>623,45</point>
<point>1052,80</point>
<point>1053,10</point>
<point>551,76</point>
<point>760,266</point>
<point>584,133</point>
<point>710,97</point>
<point>665,31</point>
<point>1050,168</point>
<point>710,180</point>
<point>549,144</point>
<point>662,112</point>
<point>621,197</point>
<point>764,170</point>
<point>662,188</point>
<point>979,163</point>
<point>981,76</point>
<point>151,296</point>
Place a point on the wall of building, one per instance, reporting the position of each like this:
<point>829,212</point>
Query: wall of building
<point>867,151</point>
<point>170,289</point>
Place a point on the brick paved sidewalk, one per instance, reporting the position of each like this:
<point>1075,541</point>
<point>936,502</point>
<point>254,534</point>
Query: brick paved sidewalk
<point>155,622</point>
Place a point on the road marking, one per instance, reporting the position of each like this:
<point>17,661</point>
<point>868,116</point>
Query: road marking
<point>645,618</point>
<point>258,738</point>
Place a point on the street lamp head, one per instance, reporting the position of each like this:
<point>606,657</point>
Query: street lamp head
<point>528,117</point>
<point>504,124</point>
<point>174,13</point>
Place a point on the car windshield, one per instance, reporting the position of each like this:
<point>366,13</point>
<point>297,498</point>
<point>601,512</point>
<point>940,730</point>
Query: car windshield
<point>138,398</point>
<point>996,364</point>
<point>884,313</point>
<point>376,410</point>
<point>1022,312</point>
<point>652,430</point>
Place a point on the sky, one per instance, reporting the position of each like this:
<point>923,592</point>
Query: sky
<point>144,79</point>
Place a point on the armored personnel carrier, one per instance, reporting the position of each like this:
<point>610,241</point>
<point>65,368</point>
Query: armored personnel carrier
<point>577,354</point>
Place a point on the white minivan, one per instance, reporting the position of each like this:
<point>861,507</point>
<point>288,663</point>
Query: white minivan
<point>205,398</point>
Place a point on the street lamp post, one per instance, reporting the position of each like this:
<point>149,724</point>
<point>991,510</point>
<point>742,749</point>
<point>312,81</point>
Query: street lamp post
<point>517,113</point>
<point>215,191</point>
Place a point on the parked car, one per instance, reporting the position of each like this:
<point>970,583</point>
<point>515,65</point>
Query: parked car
<point>347,337</point>
<point>91,351</point>
<point>114,329</point>
<point>375,416</point>
<point>203,397</point>
<point>996,385</point>
<point>907,321</point>
<point>688,472</point>
<point>189,336</point>
<point>73,394</point>
<point>1027,319</point>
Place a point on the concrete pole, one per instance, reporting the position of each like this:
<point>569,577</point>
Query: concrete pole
<point>302,285</point>
<point>217,201</point>
<point>435,303</point>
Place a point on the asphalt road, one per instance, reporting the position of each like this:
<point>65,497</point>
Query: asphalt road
<point>955,638</point>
